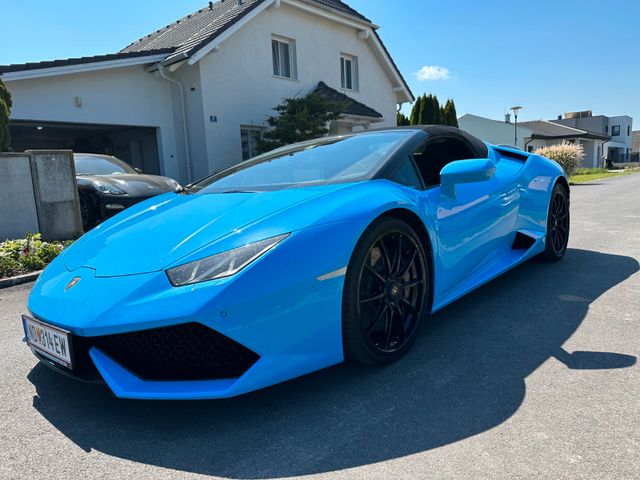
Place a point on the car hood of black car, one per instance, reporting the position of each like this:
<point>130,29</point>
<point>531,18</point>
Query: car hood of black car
<point>134,184</point>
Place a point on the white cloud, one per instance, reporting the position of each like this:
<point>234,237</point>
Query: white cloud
<point>432,72</point>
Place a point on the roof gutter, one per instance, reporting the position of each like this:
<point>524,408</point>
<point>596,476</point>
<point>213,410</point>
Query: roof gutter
<point>185,129</point>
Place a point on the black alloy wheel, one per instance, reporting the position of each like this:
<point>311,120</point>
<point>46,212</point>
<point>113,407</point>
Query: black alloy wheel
<point>86,213</point>
<point>558,223</point>
<point>386,293</point>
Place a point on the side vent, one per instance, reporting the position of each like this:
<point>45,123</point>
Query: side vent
<point>522,157</point>
<point>522,242</point>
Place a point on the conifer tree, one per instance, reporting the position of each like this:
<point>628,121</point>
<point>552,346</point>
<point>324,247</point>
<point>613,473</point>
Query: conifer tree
<point>5,112</point>
<point>414,118</point>
<point>450,114</point>
<point>403,120</point>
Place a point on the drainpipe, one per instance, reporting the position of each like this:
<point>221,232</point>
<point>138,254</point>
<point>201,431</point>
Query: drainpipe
<point>183,110</point>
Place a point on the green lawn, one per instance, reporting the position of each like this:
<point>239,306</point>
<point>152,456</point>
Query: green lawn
<point>593,174</point>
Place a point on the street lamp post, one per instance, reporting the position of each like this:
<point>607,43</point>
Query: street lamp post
<point>516,109</point>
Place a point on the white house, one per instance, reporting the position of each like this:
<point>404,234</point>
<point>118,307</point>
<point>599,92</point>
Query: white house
<point>192,97</point>
<point>618,128</point>
<point>538,133</point>
<point>549,133</point>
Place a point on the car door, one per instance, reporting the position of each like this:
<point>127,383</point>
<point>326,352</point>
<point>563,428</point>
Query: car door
<point>473,222</point>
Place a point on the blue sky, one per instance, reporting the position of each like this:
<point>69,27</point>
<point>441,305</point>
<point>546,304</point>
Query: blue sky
<point>548,56</point>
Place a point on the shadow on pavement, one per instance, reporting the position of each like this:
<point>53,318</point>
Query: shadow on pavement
<point>465,375</point>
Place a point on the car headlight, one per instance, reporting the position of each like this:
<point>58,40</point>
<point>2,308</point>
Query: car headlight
<point>173,184</point>
<point>107,188</point>
<point>222,264</point>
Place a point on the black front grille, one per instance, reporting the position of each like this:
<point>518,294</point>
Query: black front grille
<point>183,352</point>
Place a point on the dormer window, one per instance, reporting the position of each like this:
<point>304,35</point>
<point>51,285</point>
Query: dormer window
<point>349,72</point>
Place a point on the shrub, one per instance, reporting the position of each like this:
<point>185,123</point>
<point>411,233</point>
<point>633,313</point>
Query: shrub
<point>300,119</point>
<point>49,251</point>
<point>8,266</point>
<point>568,155</point>
<point>27,254</point>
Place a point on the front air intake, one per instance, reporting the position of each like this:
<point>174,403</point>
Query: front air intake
<point>183,352</point>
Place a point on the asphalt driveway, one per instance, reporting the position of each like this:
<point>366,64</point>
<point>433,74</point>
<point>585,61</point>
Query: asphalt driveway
<point>532,376</point>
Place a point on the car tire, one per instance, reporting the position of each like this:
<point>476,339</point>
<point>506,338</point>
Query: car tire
<point>386,295</point>
<point>87,212</point>
<point>558,225</point>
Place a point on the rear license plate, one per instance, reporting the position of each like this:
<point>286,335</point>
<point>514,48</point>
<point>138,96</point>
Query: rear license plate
<point>52,342</point>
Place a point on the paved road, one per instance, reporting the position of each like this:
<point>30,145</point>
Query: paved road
<point>532,376</point>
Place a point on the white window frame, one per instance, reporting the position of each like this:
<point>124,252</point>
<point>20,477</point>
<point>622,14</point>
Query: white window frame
<point>293,66</point>
<point>249,129</point>
<point>355,83</point>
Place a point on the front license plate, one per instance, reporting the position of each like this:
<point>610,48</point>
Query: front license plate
<point>52,342</point>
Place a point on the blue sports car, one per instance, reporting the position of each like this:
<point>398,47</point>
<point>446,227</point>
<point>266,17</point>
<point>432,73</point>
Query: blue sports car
<point>337,248</point>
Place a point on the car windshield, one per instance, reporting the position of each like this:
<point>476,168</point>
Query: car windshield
<point>318,162</point>
<point>101,165</point>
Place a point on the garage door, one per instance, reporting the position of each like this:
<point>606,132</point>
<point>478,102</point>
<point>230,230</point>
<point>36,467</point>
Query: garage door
<point>137,146</point>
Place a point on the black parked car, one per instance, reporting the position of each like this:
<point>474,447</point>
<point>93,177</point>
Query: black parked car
<point>107,185</point>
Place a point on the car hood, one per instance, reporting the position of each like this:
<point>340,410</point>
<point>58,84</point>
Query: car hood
<point>160,231</point>
<point>134,184</point>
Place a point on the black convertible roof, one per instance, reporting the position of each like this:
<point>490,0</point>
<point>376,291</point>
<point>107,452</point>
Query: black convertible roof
<point>479,148</point>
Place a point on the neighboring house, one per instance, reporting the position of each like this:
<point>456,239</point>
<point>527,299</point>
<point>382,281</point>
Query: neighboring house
<point>618,128</point>
<point>545,133</point>
<point>635,141</point>
<point>536,134</point>
<point>192,98</point>
<point>494,131</point>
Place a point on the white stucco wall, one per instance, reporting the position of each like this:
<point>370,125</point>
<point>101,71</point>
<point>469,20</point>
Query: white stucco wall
<point>238,86</point>
<point>118,96</point>
<point>493,131</point>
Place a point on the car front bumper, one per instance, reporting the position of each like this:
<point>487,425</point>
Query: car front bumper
<point>282,308</point>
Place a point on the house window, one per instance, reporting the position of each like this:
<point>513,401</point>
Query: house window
<point>349,72</point>
<point>628,130</point>
<point>283,51</point>
<point>250,138</point>
<point>615,130</point>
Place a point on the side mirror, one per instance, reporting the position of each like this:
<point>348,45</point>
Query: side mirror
<point>465,171</point>
<point>139,170</point>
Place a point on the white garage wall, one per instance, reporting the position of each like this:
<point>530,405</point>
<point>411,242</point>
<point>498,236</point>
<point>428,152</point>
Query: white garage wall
<point>119,96</point>
<point>493,131</point>
<point>239,88</point>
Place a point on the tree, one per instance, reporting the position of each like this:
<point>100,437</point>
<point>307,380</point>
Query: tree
<point>5,112</point>
<point>424,106</point>
<point>300,119</point>
<point>430,111</point>
<point>427,111</point>
<point>414,119</point>
<point>449,114</point>
<point>403,120</point>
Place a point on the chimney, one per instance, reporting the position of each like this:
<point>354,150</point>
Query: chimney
<point>210,5</point>
<point>559,117</point>
<point>507,118</point>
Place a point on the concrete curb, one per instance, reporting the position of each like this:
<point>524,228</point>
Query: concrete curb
<point>18,280</point>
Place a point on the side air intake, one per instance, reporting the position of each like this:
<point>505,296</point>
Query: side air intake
<point>522,242</point>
